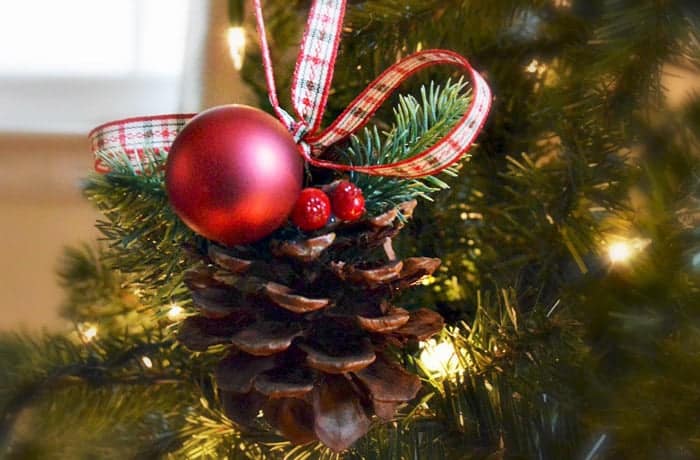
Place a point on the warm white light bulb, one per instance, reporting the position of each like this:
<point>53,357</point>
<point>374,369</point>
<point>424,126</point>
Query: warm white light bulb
<point>536,67</point>
<point>619,251</point>
<point>176,312</point>
<point>532,66</point>
<point>236,45</point>
<point>87,331</point>
<point>623,250</point>
<point>440,359</point>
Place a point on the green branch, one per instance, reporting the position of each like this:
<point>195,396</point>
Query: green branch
<point>417,125</point>
<point>143,232</point>
<point>50,365</point>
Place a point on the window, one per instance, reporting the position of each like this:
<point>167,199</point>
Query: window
<point>69,65</point>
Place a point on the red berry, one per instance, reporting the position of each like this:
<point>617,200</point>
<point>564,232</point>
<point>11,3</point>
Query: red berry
<point>312,209</point>
<point>348,201</point>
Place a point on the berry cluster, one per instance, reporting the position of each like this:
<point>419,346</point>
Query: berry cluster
<point>314,207</point>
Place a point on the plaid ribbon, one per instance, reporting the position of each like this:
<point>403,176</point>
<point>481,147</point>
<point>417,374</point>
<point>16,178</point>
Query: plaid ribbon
<point>311,85</point>
<point>310,88</point>
<point>134,136</point>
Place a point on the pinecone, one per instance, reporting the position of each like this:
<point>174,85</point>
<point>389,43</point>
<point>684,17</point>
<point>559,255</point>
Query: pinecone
<point>311,332</point>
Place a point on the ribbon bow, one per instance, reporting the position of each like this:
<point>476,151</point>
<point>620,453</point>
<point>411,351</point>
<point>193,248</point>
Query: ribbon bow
<point>311,84</point>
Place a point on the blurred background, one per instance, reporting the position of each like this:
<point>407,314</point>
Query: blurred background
<point>66,67</point>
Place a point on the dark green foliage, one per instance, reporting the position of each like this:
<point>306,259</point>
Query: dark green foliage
<point>643,319</point>
<point>93,288</point>
<point>84,400</point>
<point>145,236</point>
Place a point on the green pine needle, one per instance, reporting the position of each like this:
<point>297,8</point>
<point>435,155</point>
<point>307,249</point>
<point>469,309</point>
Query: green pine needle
<point>418,125</point>
<point>145,236</point>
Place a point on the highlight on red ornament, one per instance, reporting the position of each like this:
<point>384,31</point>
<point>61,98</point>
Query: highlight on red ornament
<point>312,209</point>
<point>348,201</point>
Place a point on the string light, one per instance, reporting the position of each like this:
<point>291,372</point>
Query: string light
<point>176,312</point>
<point>532,66</point>
<point>440,359</point>
<point>147,362</point>
<point>620,251</point>
<point>236,33</point>
<point>427,280</point>
<point>535,67</point>
<point>87,331</point>
<point>236,45</point>
<point>471,216</point>
<point>623,250</point>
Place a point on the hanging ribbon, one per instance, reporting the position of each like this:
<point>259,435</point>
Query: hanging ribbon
<point>311,84</point>
<point>134,136</point>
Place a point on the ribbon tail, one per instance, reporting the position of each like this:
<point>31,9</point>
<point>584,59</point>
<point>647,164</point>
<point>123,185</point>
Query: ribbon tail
<point>267,66</point>
<point>135,138</point>
<point>315,64</point>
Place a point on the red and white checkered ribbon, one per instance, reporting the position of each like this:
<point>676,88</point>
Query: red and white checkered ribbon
<point>134,136</point>
<point>310,88</point>
<point>311,85</point>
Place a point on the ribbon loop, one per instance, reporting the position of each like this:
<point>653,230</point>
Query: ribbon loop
<point>136,136</point>
<point>311,86</point>
<point>445,152</point>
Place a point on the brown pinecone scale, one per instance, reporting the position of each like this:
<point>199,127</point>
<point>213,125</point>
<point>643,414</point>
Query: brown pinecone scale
<point>310,328</point>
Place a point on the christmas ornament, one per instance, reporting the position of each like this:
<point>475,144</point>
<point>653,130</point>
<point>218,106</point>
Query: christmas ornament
<point>312,209</point>
<point>233,174</point>
<point>311,332</point>
<point>348,201</point>
<point>312,335</point>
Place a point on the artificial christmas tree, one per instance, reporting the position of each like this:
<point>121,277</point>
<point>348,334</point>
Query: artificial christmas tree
<point>569,280</point>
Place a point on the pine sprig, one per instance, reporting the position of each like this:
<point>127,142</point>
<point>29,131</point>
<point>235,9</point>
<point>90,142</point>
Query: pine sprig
<point>114,395</point>
<point>37,370</point>
<point>418,124</point>
<point>143,232</point>
<point>136,411</point>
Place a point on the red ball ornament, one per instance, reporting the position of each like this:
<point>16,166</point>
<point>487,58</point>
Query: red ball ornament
<point>233,174</point>
<point>312,209</point>
<point>348,201</point>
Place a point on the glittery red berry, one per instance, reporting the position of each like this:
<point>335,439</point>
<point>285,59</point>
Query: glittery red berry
<point>312,209</point>
<point>348,201</point>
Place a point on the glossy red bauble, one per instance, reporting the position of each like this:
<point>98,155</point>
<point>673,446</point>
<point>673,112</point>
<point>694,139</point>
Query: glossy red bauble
<point>312,209</point>
<point>348,201</point>
<point>233,174</point>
